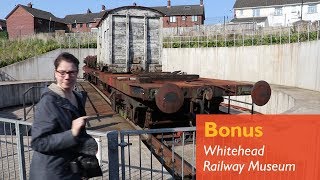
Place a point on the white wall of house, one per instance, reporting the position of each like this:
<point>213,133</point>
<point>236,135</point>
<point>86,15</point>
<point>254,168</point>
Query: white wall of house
<point>283,15</point>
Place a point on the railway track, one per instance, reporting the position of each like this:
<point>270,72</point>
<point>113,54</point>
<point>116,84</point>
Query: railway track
<point>98,106</point>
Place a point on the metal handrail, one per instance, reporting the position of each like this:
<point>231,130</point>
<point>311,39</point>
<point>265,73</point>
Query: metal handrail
<point>243,102</point>
<point>20,149</point>
<point>25,111</point>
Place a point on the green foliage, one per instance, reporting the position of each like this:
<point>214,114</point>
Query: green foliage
<point>3,35</point>
<point>19,50</point>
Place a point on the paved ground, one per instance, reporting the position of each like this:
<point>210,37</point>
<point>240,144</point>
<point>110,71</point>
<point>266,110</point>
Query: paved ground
<point>305,101</point>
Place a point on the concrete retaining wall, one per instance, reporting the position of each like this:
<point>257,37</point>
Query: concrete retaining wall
<point>41,67</point>
<point>296,65</point>
<point>279,102</point>
<point>11,93</point>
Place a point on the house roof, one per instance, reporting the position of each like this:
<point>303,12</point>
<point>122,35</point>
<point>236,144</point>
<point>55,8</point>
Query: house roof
<point>249,20</point>
<point>37,13</point>
<point>181,10</point>
<point>83,18</point>
<point>259,3</point>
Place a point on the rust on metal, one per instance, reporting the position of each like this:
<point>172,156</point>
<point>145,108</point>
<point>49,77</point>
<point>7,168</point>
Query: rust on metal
<point>169,98</point>
<point>151,88</point>
<point>150,77</point>
<point>95,104</point>
<point>261,93</point>
<point>171,160</point>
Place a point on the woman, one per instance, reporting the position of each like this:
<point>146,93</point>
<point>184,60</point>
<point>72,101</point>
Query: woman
<point>58,128</point>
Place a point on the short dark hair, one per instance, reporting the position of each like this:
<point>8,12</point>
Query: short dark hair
<point>66,57</point>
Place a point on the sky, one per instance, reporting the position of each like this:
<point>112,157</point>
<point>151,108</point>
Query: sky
<point>215,10</point>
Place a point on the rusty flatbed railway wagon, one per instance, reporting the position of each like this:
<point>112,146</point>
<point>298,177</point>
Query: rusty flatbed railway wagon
<point>150,99</point>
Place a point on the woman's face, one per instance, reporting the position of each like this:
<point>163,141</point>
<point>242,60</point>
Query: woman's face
<point>66,75</point>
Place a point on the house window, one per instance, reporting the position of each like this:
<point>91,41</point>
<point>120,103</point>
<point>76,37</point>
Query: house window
<point>74,25</point>
<point>173,19</point>
<point>81,25</point>
<point>194,18</point>
<point>278,11</point>
<point>255,12</point>
<point>312,9</point>
<point>183,18</point>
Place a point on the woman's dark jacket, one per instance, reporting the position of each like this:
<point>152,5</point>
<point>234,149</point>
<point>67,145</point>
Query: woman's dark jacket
<point>52,141</point>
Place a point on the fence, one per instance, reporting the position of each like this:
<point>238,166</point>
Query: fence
<point>152,154</point>
<point>295,34</point>
<point>16,153</point>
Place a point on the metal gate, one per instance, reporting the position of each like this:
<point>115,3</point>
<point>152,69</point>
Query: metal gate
<point>152,154</point>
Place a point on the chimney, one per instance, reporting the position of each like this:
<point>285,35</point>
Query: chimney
<point>29,5</point>
<point>88,11</point>
<point>103,8</point>
<point>169,4</point>
<point>201,2</point>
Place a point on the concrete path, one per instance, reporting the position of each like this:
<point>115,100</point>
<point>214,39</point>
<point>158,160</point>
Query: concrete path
<point>305,101</point>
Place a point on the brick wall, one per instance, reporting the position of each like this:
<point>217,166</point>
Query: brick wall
<point>20,23</point>
<point>181,23</point>
<point>84,27</point>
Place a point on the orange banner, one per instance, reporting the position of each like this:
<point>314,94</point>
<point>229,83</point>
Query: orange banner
<point>256,147</point>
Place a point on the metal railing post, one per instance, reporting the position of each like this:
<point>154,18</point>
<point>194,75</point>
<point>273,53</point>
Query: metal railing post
<point>113,155</point>
<point>20,152</point>
<point>298,34</point>
<point>123,163</point>
<point>308,32</point>
<point>317,28</point>
<point>289,35</point>
<point>234,39</point>
<point>242,38</point>
<point>280,34</point>
<point>229,104</point>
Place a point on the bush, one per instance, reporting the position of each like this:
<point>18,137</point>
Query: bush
<point>91,61</point>
<point>3,35</point>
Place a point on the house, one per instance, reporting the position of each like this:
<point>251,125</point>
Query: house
<point>84,22</point>
<point>26,20</point>
<point>276,13</point>
<point>183,15</point>
<point>3,25</point>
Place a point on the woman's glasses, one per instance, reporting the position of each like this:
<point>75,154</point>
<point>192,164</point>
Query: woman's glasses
<point>71,73</point>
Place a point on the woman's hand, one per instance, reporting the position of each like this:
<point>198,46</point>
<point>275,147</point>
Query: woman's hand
<point>77,125</point>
